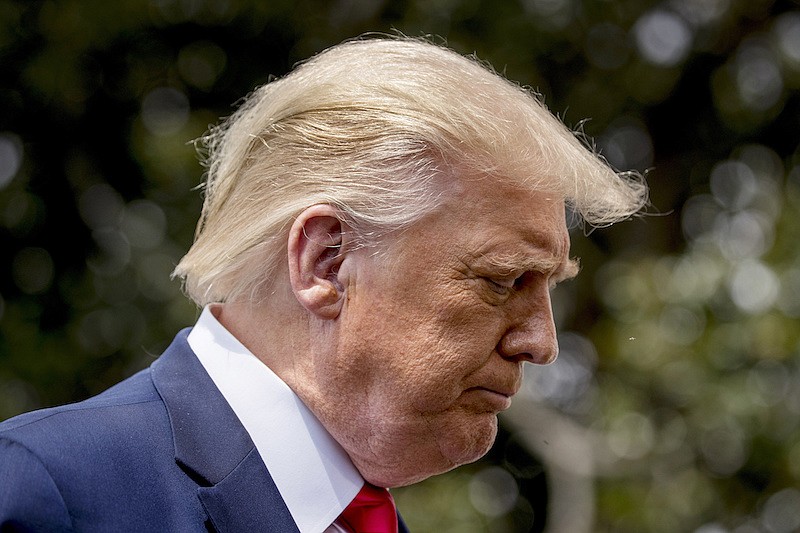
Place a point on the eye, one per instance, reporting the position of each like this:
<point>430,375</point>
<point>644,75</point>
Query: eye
<point>503,286</point>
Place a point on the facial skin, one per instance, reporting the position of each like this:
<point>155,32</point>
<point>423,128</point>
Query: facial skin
<point>407,355</point>
<point>432,335</point>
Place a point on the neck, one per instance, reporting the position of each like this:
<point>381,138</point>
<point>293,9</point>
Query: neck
<point>273,331</point>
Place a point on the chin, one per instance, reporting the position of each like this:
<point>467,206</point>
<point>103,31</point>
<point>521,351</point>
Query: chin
<point>469,442</point>
<point>453,446</point>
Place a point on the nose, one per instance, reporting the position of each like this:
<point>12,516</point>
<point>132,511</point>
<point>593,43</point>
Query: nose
<point>531,333</point>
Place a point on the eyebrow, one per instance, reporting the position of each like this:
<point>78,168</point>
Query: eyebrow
<point>510,264</point>
<point>568,270</point>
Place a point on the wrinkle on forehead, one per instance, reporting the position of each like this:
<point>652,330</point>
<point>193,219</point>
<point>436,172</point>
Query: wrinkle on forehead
<point>543,249</point>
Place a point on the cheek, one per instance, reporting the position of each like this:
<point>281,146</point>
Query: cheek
<point>406,367</point>
<point>417,340</point>
<point>440,352</point>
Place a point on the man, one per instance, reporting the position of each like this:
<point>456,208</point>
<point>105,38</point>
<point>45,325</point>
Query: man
<point>380,233</point>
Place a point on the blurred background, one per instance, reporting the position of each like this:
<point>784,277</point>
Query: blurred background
<point>675,403</point>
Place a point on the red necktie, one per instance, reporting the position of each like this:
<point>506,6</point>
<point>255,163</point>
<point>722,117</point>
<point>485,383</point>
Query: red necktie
<point>371,511</point>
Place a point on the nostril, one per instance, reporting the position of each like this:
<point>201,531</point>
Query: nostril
<point>519,357</point>
<point>547,358</point>
<point>533,345</point>
<point>514,348</point>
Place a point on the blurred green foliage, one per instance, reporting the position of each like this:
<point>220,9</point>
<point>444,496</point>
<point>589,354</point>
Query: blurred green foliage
<point>675,404</point>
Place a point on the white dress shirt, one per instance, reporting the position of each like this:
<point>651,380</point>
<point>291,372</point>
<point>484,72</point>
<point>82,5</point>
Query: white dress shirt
<point>312,472</point>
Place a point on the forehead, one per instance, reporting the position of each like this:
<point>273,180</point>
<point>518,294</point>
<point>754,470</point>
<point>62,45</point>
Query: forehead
<point>519,231</point>
<point>494,221</point>
<point>494,208</point>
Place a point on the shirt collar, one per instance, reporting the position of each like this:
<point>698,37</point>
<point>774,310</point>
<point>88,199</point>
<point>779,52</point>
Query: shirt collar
<point>313,474</point>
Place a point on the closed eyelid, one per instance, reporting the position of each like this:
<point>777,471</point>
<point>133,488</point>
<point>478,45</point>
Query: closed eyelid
<point>555,271</point>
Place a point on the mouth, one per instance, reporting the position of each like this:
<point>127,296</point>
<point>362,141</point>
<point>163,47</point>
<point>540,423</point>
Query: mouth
<point>495,399</point>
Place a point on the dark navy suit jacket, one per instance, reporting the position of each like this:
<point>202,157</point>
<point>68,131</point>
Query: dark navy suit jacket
<point>160,451</point>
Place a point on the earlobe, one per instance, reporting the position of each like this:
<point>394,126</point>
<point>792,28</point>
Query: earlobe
<point>315,252</point>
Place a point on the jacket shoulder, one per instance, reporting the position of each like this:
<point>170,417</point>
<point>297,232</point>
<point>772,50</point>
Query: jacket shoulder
<point>104,464</point>
<point>123,423</point>
<point>134,390</point>
<point>29,497</point>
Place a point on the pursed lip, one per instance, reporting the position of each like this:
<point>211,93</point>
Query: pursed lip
<point>508,393</point>
<point>500,396</point>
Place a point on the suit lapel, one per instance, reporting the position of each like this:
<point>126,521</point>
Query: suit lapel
<point>214,449</point>
<point>247,500</point>
<point>401,526</point>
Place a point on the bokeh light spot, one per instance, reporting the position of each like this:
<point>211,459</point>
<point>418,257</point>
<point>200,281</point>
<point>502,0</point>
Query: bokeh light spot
<point>631,436</point>
<point>165,111</point>
<point>699,216</point>
<point>768,383</point>
<point>733,184</point>
<point>100,206</point>
<point>789,298</point>
<point>201,63</point>
<point>680,325</point>
<point>565,384</point>
<point>144,224</point>
<point>724,448</point>
<point>552,14</point>
<point>759,81</point>
<point>701,13</point>
<point>663,38</point>
<point>743,235</point>
<point>782,512</point>
<point>33,270</point>
<point>115,252</point>
<point>493,491</point>
<point>627,144</point>
<point>692,279</point>
<point>787,31</point>
<point>754,287</point>
<point>765,164</point>
<point>10,157</point>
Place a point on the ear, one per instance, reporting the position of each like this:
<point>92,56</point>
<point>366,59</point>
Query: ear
<point>315,252</point>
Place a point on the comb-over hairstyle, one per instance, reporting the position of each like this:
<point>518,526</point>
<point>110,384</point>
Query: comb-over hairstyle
<point>374,127</point>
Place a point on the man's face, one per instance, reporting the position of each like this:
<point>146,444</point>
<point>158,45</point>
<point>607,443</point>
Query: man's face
<point>434,332</point>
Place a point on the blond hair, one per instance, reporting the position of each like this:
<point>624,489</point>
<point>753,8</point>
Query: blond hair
<point>367,126</point>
